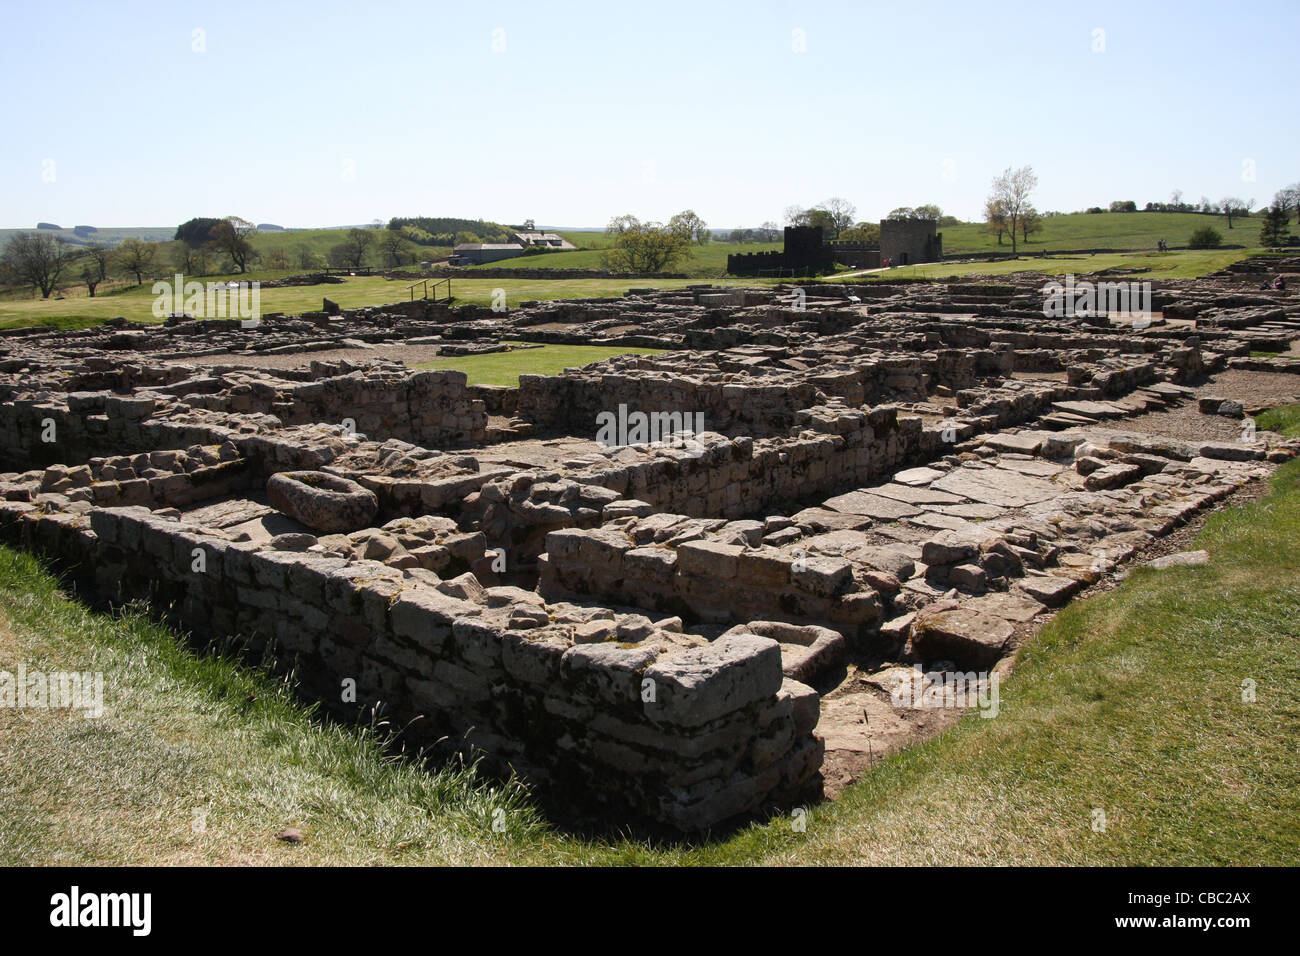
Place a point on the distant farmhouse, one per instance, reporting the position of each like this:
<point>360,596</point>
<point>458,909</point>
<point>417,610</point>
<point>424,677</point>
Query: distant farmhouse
<point>806,252</point>
<point>476,253</point>
<point>549,239</point>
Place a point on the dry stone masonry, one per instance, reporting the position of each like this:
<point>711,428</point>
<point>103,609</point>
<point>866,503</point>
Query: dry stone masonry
<point>812,489</point>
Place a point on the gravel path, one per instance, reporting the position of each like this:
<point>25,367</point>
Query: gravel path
<point>1188,424</point>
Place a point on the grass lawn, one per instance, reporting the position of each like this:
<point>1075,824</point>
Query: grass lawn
<point>504,368</point>
<point>1106,230</point>
<point>136,302</point>
<point>1187,264</point>
<point>706,261</point>
<point>1130,702</point>
<point>77,310</point>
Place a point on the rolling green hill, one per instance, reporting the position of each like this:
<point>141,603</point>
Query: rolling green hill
<point>1106,230</point>
<point>1134,231</point>
<point>706,261</point>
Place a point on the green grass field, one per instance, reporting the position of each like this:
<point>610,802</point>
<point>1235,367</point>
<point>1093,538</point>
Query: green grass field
<point>77,310</point>
<point>1122,231</point>
<point>135,303</point>
<point>706,261</point>
<point>1130,702</point>
<point>1186,264</point>
<point>1107,230</point>
<point>1130,231</point>
<point>504,368</point>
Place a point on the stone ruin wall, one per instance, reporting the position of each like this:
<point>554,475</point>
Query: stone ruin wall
<point>725,733</point>
<point>550,682</point>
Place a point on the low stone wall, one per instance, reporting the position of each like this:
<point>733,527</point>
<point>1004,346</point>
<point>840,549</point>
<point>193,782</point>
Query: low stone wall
<point>432,408</point>
<point>573,402</point>
<point>73,429</point>
<point>755,406</point>
<point>160,479</point>
<point>707,580</point>
<point>648,724</point>
<point>833,447</point>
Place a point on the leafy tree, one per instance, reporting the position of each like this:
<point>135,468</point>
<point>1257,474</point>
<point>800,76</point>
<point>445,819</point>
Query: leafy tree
<point>137,257</point>
<point>1012,190</point>
<point>823,219</point>
<point>995,218</point>
<point>1274,232</point>
<point>202,258</point>
<point>1205,238</point>
<point>862,232</point>
<point>231,236</point>
<point>646,247</point>
<point>392,246</point>
<point>691,227</point>
<point>277,259</point>
<point>1123,205</point>
<point>195,232</point>
<point>928,212</point>
<point>1030,221</point>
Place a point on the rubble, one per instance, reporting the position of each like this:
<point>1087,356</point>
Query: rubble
<point>663,626</point>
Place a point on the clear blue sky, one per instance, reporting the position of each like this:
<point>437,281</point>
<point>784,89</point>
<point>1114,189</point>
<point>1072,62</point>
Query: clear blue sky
<point>597,109</point>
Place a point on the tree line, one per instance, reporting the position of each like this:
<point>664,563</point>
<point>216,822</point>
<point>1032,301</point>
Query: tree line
<point>201,246</point>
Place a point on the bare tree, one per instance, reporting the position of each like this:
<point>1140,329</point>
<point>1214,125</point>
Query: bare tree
<point>769,231</point>
<point>1012,191</point>
<point>37,260</point>
<point>352,251</point>
<point>621,224</point>
<point>95,270</point>
<point>1231,206</point>
<point>1288,199</point>
<point>841,212</point>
